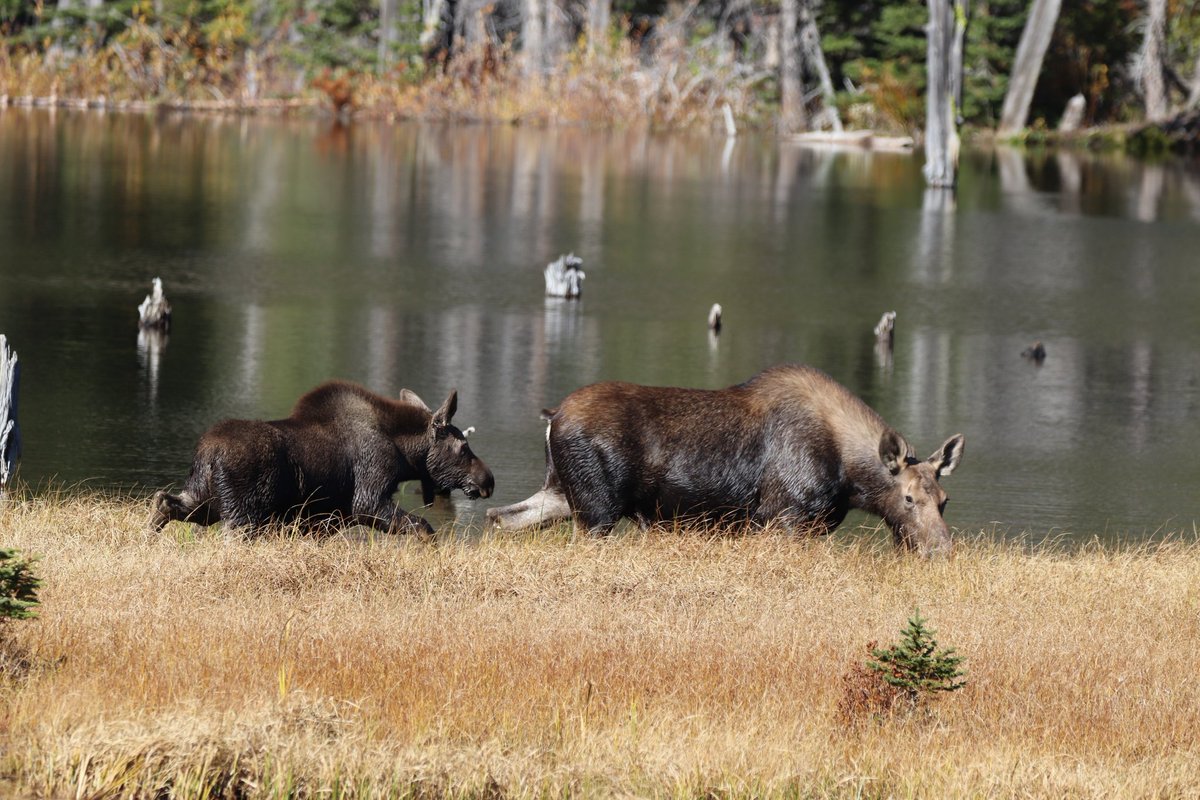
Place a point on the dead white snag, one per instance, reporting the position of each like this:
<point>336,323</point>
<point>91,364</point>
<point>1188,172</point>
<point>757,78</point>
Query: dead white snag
<point>885,329</point>
<point>1027,65</point>
<point>155,312</point>
<point>10,439</point>
<point>944,49</point>
<point>564,277</point>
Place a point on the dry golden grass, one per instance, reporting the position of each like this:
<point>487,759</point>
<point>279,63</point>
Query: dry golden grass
<point>658,663</point>
<point>684,88</point>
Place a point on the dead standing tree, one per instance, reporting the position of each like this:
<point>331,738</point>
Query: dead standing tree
<point>943,105</point>
<point>1151,61</point>
<point>792,118</point>
<point>10,440</point>
<point>1027,65</point>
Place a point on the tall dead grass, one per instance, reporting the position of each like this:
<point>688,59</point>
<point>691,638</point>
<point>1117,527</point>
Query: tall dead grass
<point>659,663</point>
<point>682,88</point>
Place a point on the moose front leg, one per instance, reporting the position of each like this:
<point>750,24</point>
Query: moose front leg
<point>390,518</point>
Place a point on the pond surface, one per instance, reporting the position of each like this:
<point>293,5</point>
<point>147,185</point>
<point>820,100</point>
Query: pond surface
<point>410,256</point>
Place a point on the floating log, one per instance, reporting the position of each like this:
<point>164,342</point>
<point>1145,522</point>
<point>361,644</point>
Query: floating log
<point>564,277</point>
<point>714,318</point>
<point>855,140</point>
<point>10,439</point>
<point>155,312</point>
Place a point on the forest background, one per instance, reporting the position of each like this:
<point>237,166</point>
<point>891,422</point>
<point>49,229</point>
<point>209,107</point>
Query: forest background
<point>668,64</point>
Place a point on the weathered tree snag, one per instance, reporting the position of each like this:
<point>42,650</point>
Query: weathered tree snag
<point>1154,89</point>
<point>598,22</point>
<point>944,36</point>
<point>1072,116</point>
<point>810,44</point>
<point>791,91</point>
<point>387,34</point>
<point>1027,65</point>
<point>155,312</point>
<point>564,277</point>
<point>1193,100</point>
<point>10,439</point>
<point>532,37</point>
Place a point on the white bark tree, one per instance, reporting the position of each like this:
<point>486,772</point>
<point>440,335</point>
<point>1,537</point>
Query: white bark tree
<point>1027,65</point>
<point>1154,89</point>
<point>792,118</point>
<point>944,51</point>
<point>387,34</point>
<point>814,57</point>
<point>10,441</point>
<point>599,14</point>
<point>533,36</point>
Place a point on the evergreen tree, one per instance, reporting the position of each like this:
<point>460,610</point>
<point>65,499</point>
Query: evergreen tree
<point>916,666</point>
<point>18,586</point>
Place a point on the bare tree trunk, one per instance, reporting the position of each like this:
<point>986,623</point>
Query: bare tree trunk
<point>468,23</point>
<point>10,440</point>
<point>1153,87</point>
<point>431,21</point>
<point>387,34</point>
<point>1027,65</point>
<point>791,90</point>
<point>598,22</point>
<point>944,36</point>
<point>533,37</point>
<point>810,43</point>
<point>1193,100</point>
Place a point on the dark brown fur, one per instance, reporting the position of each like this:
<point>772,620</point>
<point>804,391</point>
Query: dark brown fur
<point>790,445</point>
<point>337,458</point>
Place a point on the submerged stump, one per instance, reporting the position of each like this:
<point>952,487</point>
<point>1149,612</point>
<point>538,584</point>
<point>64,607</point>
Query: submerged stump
<point>564,277</point>
<point>154,313</point>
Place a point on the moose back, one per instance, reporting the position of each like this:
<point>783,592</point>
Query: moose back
<point>338,458</point>
<point>790,445</point>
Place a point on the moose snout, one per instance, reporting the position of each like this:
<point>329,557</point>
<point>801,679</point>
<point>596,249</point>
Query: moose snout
<point>481,484</point>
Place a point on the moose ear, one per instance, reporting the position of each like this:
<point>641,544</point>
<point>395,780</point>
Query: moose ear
<point>893,451</point>
<point>409,397</point>
<point>946,457</point>
<point>441,417</point>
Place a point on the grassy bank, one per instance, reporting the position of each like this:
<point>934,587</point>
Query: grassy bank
<point>644,664</point>
<point>687,89</point>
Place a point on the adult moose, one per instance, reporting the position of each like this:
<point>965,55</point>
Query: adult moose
<point>790,445</point>
<point>337,458</point>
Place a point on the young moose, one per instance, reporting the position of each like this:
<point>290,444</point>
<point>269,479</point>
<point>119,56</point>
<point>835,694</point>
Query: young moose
<point>338,458</point>
<point>790,445</point>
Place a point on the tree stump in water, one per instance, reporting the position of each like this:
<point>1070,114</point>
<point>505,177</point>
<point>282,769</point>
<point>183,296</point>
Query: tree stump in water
<point>154,313</point>
<point>564,277</point>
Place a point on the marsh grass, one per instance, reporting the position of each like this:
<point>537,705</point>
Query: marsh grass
<point>661,663</point>
<point>684,88</point>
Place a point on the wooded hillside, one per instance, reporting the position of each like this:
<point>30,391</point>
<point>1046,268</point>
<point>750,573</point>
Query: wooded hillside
<point>674,64</point>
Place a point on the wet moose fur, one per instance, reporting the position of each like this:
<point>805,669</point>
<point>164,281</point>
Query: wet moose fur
<point>790,445</point>
<point>337,459</point>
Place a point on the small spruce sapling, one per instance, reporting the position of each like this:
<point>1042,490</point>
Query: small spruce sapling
<point>915,666</point>
<point>18,586</point>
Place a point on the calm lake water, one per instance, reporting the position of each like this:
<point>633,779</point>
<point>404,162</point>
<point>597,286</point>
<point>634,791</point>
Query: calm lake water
<point>410,256</point>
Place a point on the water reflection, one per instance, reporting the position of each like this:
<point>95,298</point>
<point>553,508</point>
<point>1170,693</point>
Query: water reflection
<point>410,256</point>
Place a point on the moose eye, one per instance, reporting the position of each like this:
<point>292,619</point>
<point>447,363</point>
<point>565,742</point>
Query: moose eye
<point>908,499</point>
